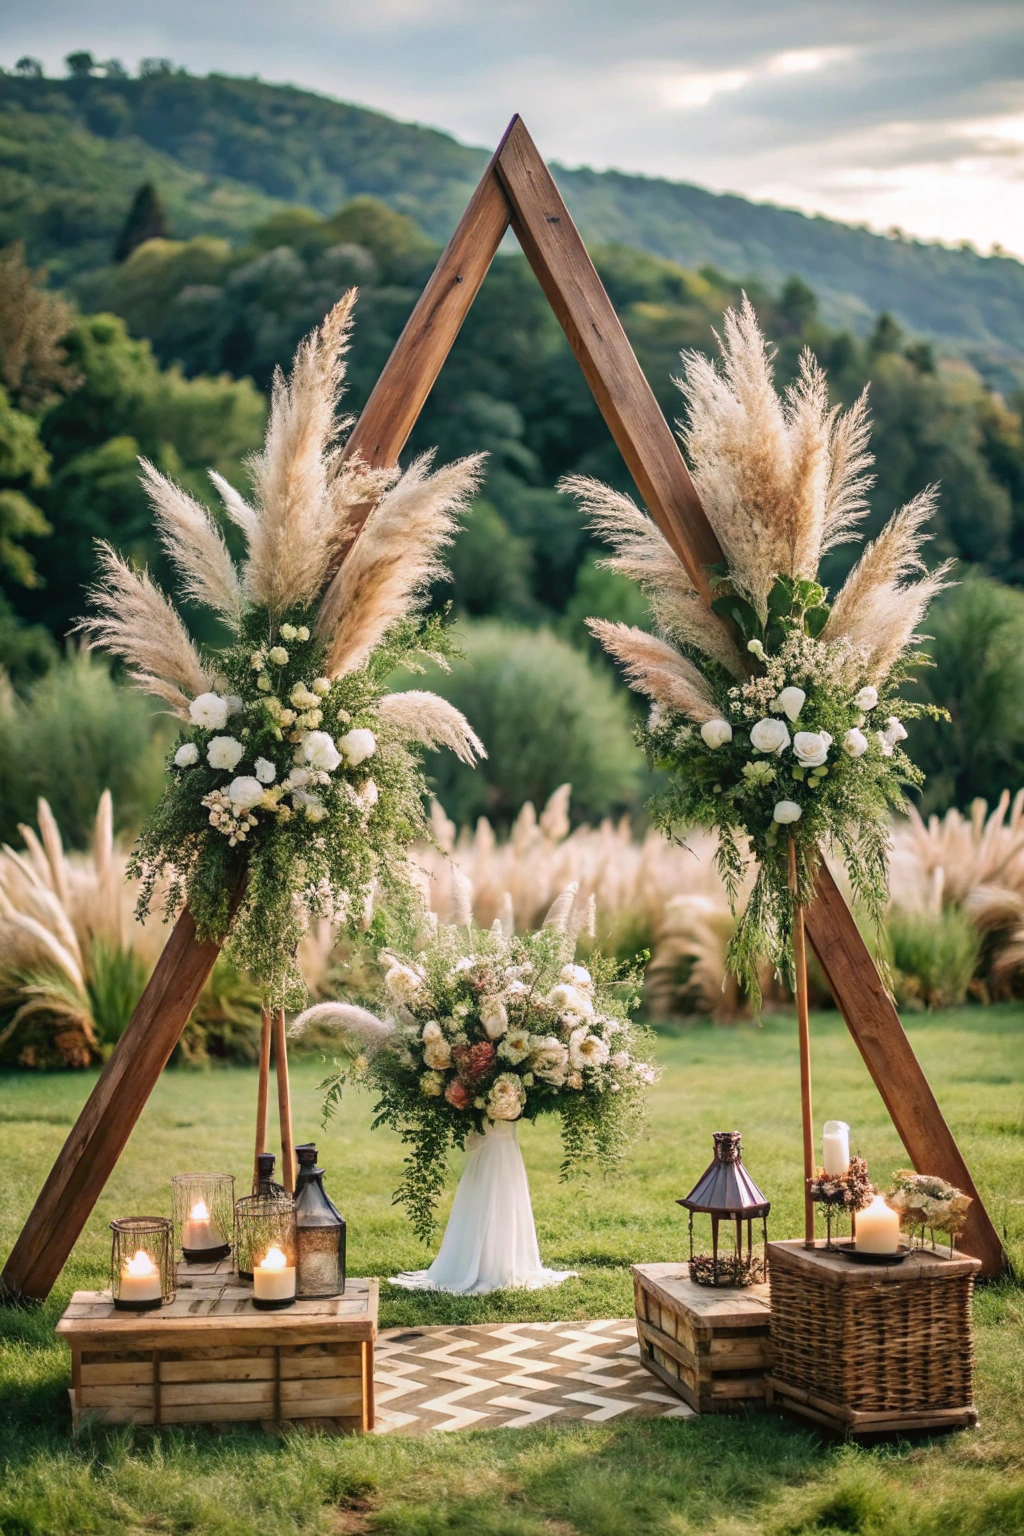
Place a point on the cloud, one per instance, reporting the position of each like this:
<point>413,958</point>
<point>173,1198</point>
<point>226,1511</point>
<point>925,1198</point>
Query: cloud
<point>908,113</point>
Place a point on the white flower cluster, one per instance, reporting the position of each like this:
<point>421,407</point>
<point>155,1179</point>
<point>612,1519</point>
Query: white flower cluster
<point>770,697</point>
<point>317,754</point>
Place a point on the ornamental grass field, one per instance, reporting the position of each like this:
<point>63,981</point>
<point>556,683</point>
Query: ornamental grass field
<point>719,1477</point>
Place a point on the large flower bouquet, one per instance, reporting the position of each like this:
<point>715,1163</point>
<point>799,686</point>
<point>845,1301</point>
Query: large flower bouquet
<point>482,1026</point>
<point>294,787</point>
<point>777,715</point>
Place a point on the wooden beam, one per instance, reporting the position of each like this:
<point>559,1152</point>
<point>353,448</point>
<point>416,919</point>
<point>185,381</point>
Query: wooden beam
<point>92,1149</point>
<point>566,273</point>
<point>888,1055</point>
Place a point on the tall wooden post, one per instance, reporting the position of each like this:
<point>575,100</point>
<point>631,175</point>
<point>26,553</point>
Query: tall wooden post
<point>284,1101</point>
<point>804,1034</point>
<point>262,1092</point>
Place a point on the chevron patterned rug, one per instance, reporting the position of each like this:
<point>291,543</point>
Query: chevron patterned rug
<point>506,1376</point>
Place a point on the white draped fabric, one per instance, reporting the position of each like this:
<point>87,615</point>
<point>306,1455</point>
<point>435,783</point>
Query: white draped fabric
<point>490,1242</point>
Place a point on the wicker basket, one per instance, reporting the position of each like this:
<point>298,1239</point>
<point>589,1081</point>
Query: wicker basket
<point>869,1349</point>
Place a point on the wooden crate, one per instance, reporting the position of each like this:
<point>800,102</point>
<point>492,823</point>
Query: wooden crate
<point>871,1349</point>
<point>211,1357</point>
<point>709,1345</point>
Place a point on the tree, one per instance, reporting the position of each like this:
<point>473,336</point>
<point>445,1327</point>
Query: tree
<point>33,324</point>
<point>80,65</point>
<point>29,68</point>
<point>146,220</point>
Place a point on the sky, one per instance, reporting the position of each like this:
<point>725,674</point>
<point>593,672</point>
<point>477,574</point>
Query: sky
<point>906,113</point>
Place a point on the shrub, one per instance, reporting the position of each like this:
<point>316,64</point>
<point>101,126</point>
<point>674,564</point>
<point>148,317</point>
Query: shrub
<point>933,956</point>
<point>546,715</point>
<point>76,734</point>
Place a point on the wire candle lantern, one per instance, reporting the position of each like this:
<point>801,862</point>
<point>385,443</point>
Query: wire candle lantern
<point>141,1263</point>
<point>263,1221</point>
<point>726,1192</point>
<point>203,1209</point>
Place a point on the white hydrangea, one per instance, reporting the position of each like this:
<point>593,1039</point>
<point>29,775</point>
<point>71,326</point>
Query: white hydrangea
<point>432,1084</point>
<point>265,770</point>
<point>224,752</point>
<point>321,686</point>
<point>357,745</point>
<point>244,793</point>
<point>209,711</point>
<point>319,751</point>
<point>186,755</point>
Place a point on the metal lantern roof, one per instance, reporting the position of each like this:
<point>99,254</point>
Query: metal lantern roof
<point>725,1188</point>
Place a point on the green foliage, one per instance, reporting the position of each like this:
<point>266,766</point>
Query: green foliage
<point>977,650</point>
<point>146,220</point>
<point>117,978</point>
<point>933,956</point>
<point>546,715</point>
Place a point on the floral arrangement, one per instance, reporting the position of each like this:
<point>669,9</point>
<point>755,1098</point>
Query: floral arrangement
<point>486,1025</point>
<point>924,1200</point>
<point>777,715</point>
<point>841,1192</point>
<point>294,787</point>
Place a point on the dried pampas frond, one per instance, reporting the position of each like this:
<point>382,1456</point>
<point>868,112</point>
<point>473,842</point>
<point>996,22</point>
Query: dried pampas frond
<point>395,558</point>
<point>433,722</point>
<point>194,543</point>
<point>879,606</point>
<point>645,556</point>
<point>137,623</point>
<point>560,911</point>
<point>359,1028</point>
<point>294,535</point>
<point>657,669</point>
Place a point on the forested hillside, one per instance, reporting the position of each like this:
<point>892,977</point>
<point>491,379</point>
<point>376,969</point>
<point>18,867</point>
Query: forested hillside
<point>225,151</point>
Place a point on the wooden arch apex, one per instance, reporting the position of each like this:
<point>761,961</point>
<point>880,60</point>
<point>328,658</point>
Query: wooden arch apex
<point>516,190</point>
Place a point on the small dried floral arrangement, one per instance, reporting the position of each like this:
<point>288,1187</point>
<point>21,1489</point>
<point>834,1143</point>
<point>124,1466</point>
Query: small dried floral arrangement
<point>479,1026</point>
<point>776,716</point>
<point>927,1202</point>
<point>294,788</point>
<point>849,1191</point>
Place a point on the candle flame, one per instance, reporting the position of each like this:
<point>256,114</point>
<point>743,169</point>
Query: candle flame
<point>140,1264</point>
<point>275,1259</point>
<point>199,1212</point>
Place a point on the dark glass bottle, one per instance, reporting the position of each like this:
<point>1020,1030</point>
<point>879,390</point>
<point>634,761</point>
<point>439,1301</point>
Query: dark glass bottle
<point>263,1184</point>
<point>319,1231</point>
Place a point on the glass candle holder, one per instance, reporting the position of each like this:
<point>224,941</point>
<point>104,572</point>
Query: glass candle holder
<point>141,1263</point>
<point>203,1209</point>
<point>263,1222</point>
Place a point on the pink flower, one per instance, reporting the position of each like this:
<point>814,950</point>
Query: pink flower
<point>474,1062</point>
<point>458,1095</point>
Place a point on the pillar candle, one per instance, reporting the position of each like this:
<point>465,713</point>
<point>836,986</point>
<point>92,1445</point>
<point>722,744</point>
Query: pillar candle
<point>878,1228</point>
<point>199,1230</point>
<point>140,1279</point>
<point>273,1279</point>
<point>835,1148</point>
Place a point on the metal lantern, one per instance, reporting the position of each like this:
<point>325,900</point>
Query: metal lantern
<point>319,1231</point>
<point>141,1263</point>
<point>726,1192</point>
<point>203,1208</point>
<point>261,1223</point>
<point>263,1182</point>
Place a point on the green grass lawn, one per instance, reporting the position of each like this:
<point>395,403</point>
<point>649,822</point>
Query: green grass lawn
<point>718,1477</point>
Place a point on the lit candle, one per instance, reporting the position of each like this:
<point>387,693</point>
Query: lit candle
<point>835,1148</point>
<point>878,1228</point>
<point>199,1230</point>
<point>140,1279</point>
<point>273,1279</point>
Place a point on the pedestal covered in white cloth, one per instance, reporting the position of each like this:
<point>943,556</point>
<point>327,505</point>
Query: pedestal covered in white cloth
<point>490,1242</point>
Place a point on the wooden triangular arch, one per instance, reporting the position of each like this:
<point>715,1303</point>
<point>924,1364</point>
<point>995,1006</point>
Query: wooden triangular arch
<point>516,190</point>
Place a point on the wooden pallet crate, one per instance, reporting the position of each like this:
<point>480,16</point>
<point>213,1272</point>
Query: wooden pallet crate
<point>211,1357</point>
<point>869,1350</point>
<point>710,1345</point>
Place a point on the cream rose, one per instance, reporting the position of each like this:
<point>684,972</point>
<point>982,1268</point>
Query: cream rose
<point>549,1061</point>
<point>715,733</point>
<point>895,730</point>
<point>855,743</point>
<point>770,736</point>
<point>209,711</point>
<point>570,1000</point>
<point>224,752</point>
<point>790,702</point>
<point>244,793</point>
<point>810,748</point>
<point>402,983</point>
<point>506,1098</point>
<point>493,1017</point>
<point>437,1053</point>
<point>866,699</point>
<point>186,755</point>
<point>787,811</point>
<point>587,1050</point>
<point>576,976</point>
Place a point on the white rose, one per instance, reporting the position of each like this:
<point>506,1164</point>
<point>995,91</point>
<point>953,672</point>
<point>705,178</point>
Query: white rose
<point>224,752</point>
<point>855,743</point>
<point>356,746</point>
<point>895,730</point>
<point>186,755</point>
<point>568,1000</point>
<point>278,655</point>
<point>715,733</point>
<point>885,744</point>
<point>810,748</point>
<point>587,1050</point>
<point>432,1084</point>
<point>244,793</point>
<point>265,770</point>
<point>770,736</point>
<point>506,1098</point>
<point>209,711</point>
<point>549,1061</point>
<point>787,811</point>
<point>402,983</point>
<point>320,752</point>
<point>576,976</point>
<point>867,698</point>
<point>493,1017</point>
<point>790,702</point>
